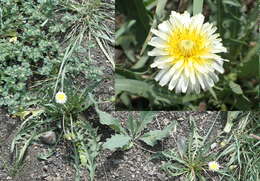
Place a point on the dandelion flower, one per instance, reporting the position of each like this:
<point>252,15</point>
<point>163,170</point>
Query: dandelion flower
<point>13,39</point>
<point>61,97</point>
<point>213,166</point>
<point>186,53</point>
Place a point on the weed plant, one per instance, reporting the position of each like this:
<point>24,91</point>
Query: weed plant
<point>46,47</point>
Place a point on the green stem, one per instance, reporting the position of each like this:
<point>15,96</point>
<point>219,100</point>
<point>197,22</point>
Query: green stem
<point>197,6</point>
<point>219,16</point>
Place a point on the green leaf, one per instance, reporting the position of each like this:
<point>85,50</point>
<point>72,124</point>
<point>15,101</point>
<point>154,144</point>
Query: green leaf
<point>181,146</point>
<point>135,10</point>
<point>152,137</point>
<point>109,120</point>
<point>131,126</point>
<point>232,3</point>
<point>140,88</point>
<point>235,88</point>
<point>197,6</point>
<point>117,141</point>
<point>145,118</point>
<point>160,8</point>
<point>231,117</point>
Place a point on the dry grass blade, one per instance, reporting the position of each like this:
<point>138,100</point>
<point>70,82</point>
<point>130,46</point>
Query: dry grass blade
<point>108,56</point>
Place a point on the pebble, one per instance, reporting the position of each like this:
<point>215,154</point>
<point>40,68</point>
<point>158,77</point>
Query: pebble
<point>45,168</point>
<point>213,145</point>
<point>48,137</point>
<point>132,169</point>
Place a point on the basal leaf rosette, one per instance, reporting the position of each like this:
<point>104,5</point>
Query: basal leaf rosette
<point>186,53</point>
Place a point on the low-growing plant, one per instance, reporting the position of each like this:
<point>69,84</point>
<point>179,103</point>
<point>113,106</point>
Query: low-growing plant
<point>125,138</point>
<point>32,51</point>
<point>192,157</point>
<point>66,120</point>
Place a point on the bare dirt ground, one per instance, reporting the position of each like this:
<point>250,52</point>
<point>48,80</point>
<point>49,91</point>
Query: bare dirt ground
<point>130,165</point>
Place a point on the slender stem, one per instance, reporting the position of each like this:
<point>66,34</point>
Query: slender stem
<point>219,16</point>
<point>197,6</point>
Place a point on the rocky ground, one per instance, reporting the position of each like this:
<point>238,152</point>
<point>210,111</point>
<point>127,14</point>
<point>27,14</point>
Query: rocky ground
<point>130,165</point>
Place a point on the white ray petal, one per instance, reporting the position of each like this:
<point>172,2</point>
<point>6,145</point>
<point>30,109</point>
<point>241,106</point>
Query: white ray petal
<point>179,85</point>
<point>192,76</point>
<point>157,52</point>
<point>218,67</point>
<point>158,43</point>
<point>184,84</point>
<point>165,27</point>
<point>198,75</point>
<point>174,81</point>
<point>166,77</point>
<point>160,34</point>
<point>197,21</point>
<point>209,80</point>
<point>160,74</point>
<point>214,77</point>
<point>164,60</point>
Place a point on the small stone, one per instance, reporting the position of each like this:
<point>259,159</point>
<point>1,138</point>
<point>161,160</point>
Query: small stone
<point>44,176</point>
<point>45,168</point>
<point>48,137</point>
<point>132,169</point>
<point>139,159</point>
<point>9,178</point>
<point>213,145</point>
<point>161,176</point>
<point>166,121</point>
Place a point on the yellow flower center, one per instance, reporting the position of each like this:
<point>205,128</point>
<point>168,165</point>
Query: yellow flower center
<point>214,166</point>
<point>187,42</point>
<point>61,96</point>
<point>186,46</point>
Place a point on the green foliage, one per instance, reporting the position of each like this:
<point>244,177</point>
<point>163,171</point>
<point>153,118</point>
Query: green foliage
<point>117,141</point>
<point>237,88</point>
<point>87,146</point>
<point>46,47</point>
<point>242,148</point>
<point>126,137</point>
<point>191,157</point>
<point>66,120</point>
<point>37,53</point>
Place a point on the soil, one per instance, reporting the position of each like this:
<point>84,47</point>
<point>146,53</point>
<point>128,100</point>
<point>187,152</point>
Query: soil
<point>129,165</point>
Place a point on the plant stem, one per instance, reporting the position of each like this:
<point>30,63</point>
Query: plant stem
<point>197,6</point>
<point>219,17</point>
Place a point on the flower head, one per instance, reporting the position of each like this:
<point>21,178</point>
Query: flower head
<point>185,51</point>
<point>213,166</point>
<point>60,97</point>
<point>13,39</point>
